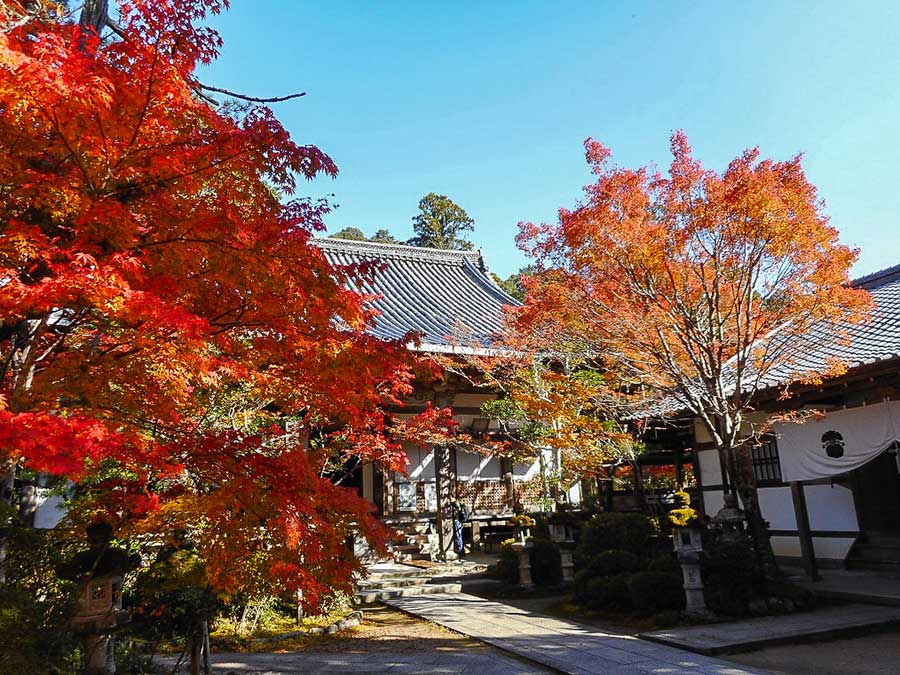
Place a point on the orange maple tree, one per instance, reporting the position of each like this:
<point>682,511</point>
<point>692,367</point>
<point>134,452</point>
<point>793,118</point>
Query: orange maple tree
<point>695,285</point>
<point>163,306</point>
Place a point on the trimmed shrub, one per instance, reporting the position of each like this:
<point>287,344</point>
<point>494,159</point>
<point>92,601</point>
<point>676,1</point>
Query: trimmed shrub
<point>656,591</point>
<point>731,578</point>
<point>667,618</point>
<point>608,592</point>
<point>508,564</point>
<point>546,563</point>
<point>665,563</point>
<point>610,563</point>
<point>580,584</point>
<point>630,532</point>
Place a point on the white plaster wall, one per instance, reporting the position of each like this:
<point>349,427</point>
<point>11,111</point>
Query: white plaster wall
<point>830,507</point>
<point>421,463</point>
<point>710,469</point>
<point>777,507</point>
<point>830,548</point>
<point>49,510</point>
<point>526,470</point>
<point>472,466</point>
<point>713,500</point>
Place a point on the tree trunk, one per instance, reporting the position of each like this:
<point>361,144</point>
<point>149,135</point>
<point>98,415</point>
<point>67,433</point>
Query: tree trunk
<point>94,14</point>
<point>7,482</point>
<point>740,469</point>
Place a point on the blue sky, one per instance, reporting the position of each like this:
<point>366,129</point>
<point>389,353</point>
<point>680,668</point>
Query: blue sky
<point>490,102</point>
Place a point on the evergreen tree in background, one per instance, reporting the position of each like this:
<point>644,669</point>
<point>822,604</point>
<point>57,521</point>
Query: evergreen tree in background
<point>441,223</point>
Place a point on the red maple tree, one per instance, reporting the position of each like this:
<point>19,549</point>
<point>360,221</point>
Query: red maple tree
<point>162,305</point>
<point>696,286</point>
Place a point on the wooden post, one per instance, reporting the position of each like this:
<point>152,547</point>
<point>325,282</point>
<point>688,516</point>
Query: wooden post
<point>679,467</point>
<point>438,479</point>
<point>807,551</point>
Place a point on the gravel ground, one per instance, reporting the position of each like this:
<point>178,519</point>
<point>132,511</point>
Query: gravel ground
<point>386,641</point>
<point>875,654</point>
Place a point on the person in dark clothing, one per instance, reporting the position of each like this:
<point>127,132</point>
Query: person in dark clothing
<point>460,515</point>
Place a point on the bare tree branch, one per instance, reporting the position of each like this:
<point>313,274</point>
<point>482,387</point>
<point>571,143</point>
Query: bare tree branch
<point>252,99</point>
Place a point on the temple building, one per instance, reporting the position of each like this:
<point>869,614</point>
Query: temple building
<point>830,487</point>
<point>449,299</point>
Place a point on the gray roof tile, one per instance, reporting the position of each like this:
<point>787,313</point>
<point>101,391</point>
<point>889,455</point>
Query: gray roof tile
<point>447,297</point>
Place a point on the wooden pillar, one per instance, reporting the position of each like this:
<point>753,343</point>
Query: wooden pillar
<point>807,551</point>
<point>387,498</point>
<point>439,464</point>
<point>679,467</point>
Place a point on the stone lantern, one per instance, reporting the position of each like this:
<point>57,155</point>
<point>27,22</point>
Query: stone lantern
<point>522,525</point>
<point>561,534</point>
<point>731,521</point>
<point>688,545</point>
<point>687,539</point>
<point>100,572</point>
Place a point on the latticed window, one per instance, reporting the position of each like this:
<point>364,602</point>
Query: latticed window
<point>766,468</point>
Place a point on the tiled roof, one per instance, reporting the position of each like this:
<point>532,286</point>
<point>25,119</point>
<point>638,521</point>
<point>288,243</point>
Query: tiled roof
<point>447,297</point>
<point>852,345</point>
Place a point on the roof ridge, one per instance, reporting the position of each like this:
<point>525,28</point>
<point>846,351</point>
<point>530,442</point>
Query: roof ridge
<point>881,276</point>
<point>398,250</point>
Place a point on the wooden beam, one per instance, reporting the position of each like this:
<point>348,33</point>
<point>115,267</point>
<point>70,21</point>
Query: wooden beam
<point>807,551</point>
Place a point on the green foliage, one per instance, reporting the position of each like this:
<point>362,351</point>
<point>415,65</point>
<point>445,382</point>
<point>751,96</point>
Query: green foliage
<point>546,563</point>
<point>35,604</point>
<point>441,223</point>
<point>33,635</point>
<point>656,591</point>
<point>611,563</point>
<point>172,598</point>
<point>608,593</point>
<point>383,237</point>
<point>732,577</point>
<point>352,233</point>
<point>503,409</point>
<point>667,563</point>
<point>667,618</point>
<point>630,532</point>
<point>508,564</point>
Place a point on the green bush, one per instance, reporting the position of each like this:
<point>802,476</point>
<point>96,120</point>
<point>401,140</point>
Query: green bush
<point>35,606</point>
<point>665,563</point>
<point>546,563</point>
<point>732,577</point>
<point>580,584</point>
<point>630,532</point>
<point>508,564</point>
<point>608,593</point>
<point>35,638</point>
<point>610,563</point>
<point>656,591</point>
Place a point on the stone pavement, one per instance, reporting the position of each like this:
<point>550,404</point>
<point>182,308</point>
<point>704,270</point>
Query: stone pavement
<point>735,636</point>
<point>564,646</point>
<point>424,662</point>
<point>853,586</point>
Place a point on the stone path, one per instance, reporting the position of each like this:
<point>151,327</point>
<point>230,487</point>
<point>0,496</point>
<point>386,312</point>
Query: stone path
<point>362,663</point>
<point>564,646</point>
<point>736,636</point>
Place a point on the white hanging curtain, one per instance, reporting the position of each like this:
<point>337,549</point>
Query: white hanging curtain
<point>841,441</point>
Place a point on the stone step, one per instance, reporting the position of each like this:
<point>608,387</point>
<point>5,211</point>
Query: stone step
<point>397,571</point>
<point>392,582</point>
<point>411,557</point>
<point>890,567</point>
<point>381,594</point>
